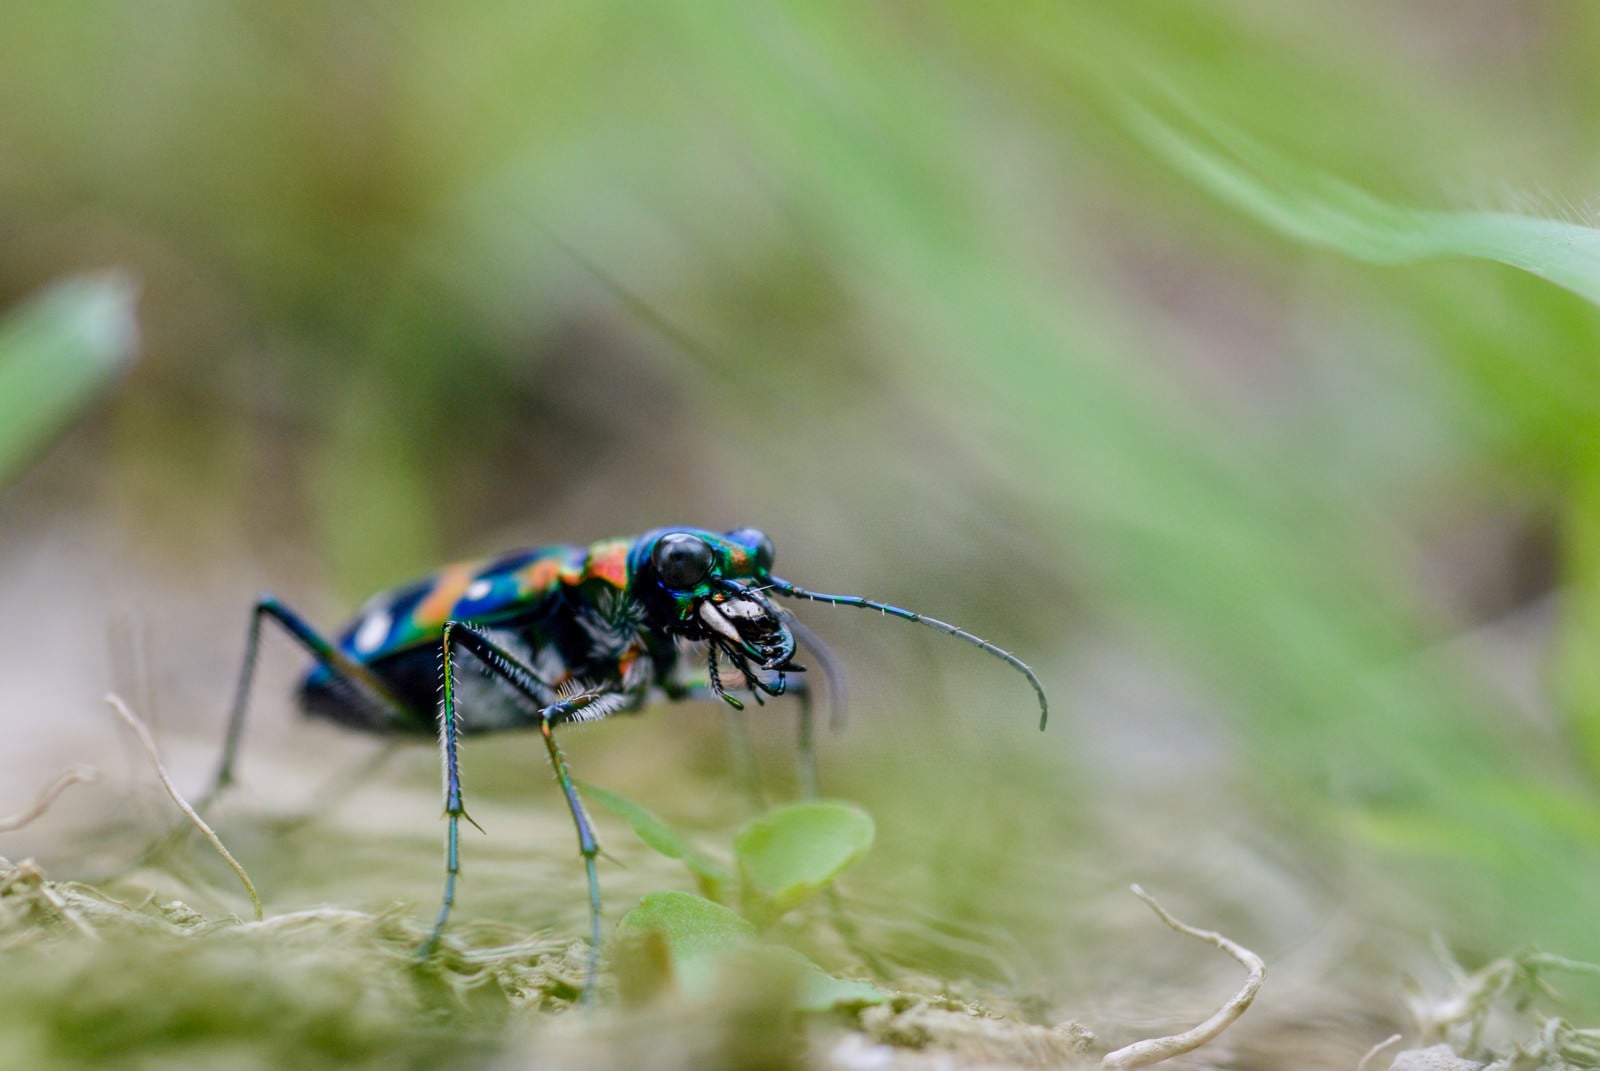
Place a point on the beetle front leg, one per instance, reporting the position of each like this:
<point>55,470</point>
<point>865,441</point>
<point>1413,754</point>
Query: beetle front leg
<point>453,808</point>
<point>506,666</point>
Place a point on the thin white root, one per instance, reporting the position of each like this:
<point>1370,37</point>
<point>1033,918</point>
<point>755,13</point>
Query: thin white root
<point>143,733</point>
<point>1155,1050</point>
<point>72,776</point>
<point>1372,1053</point>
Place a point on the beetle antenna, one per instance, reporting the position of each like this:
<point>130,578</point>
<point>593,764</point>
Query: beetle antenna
<point>783,587</point>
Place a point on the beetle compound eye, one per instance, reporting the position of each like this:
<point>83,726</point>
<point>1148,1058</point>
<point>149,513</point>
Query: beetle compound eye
<point>760,546</point>
<point>681,560</point>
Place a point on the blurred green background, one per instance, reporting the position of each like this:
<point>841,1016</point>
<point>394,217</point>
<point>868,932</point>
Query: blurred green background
<point>1054,320</point>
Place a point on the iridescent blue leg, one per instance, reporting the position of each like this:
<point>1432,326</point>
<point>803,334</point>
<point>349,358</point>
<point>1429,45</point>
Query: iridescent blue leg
<point>453,808</point>
<point>507,667</point>
<point>363,682</point>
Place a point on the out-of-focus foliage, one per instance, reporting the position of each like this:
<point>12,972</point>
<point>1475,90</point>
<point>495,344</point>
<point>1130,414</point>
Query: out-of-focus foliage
<point>56,353</point>
<point>784,856</point>
<point>712,877</point>
<point>709,947</point>
<point>921,291</point>
<point>1318,209</point>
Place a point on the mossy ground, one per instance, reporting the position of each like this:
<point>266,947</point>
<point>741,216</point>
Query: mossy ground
<point>159,968</point>
<point>115,977</point>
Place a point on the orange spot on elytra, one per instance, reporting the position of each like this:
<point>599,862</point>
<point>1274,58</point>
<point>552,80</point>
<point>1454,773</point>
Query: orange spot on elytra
<point>609,562</point>
<point>538,576</point>
<point>436,607</point>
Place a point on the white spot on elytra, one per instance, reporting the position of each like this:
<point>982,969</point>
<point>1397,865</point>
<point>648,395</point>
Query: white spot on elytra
<point>373,631</point>
<point>479,589</point>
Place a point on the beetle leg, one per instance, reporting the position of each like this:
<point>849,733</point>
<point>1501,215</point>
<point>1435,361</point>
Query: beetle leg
<point>453,808</point>
<point>357,676</point>
<point>588,846</point>
<point>509,668</point>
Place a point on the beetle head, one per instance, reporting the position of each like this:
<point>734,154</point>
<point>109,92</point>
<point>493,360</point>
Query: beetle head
<point>709,586</point>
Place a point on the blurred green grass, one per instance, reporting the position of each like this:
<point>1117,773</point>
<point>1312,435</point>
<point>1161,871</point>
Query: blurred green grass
<point>56,354</point>
<point>910,289</point>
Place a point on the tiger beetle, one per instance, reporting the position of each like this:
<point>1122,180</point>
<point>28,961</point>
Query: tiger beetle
<point>562,634</point>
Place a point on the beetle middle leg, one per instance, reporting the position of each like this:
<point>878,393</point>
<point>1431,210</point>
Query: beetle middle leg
<point>507,667</point>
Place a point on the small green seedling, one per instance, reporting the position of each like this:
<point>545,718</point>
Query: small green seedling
<point>788,855</point>
<point>781,859</point>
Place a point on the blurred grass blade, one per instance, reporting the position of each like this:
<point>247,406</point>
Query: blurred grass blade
<point>1307,204</point>
<point>57,352</point>
<point>1312,206</point>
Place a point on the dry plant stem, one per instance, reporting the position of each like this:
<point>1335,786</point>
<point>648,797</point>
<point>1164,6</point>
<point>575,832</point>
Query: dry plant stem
<point>70,777</point>
<point>1372,1053</point>
<point>149,744</point>
<point>1154,1050</point>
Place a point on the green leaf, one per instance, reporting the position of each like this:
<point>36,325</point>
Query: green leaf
<point>713,877</point>
<point>702,938</point>
<point>56,353</point>
<point>821,991</point>
<point>692,925</point>
<point>788,855</point>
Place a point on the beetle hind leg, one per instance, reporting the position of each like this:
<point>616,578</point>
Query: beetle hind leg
<point>364,685</point>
